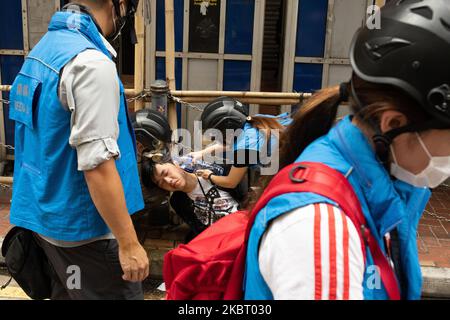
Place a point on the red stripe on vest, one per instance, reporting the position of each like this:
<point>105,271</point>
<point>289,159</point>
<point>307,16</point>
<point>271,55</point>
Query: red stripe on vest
<point>345,241</point>
<point>332,252</point>
<point>317,253</point>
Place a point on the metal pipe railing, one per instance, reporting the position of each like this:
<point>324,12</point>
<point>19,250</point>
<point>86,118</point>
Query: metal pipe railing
<point>240,94</point>
<point>6,180</point>
<point>251,97</point>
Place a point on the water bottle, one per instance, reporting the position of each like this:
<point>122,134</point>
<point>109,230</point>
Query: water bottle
<point>216,169</point>
<point>186,163</point>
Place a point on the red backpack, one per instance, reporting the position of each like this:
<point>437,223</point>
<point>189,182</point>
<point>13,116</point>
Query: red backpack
<point>211,267</point>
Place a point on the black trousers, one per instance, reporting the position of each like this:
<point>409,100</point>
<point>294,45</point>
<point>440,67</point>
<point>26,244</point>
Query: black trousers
<point>184,208</point>
<point>89,272</point>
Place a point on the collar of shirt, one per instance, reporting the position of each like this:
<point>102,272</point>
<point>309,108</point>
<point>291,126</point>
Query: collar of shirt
<point>109,46</point>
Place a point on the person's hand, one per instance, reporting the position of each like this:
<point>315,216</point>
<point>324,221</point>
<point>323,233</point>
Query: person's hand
<point>196,155</point>
<point>134,262</point>
<point>204,173</point>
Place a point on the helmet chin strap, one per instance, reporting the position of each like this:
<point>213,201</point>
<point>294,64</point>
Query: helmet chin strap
<point>117,31</point>
<point>122,21</point>
<point>118,17</point>
<point>380,140</point>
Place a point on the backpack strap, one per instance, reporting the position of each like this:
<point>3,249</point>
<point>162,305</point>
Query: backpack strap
<point>322,180</point>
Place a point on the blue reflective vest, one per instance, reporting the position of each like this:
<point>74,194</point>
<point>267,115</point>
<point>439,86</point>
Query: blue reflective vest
<point>386,205</point>
<point>50,196</point>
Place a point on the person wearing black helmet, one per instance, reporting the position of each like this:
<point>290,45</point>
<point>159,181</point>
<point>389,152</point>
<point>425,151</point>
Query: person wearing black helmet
<point>154,141</point>
<point>254,138</point>
<point>196,200</point>
<point>76,178</point>
<point>160,174</point>
<point>394,147</point>
<point>153,132</point>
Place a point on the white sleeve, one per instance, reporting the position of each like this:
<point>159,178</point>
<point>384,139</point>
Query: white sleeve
<point>313,253</point>
<point>89,89</point>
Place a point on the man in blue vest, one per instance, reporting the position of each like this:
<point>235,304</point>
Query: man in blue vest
<point>76,179</point>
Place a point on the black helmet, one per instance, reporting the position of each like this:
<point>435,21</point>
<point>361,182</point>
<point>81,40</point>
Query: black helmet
<point>153,134</point>
<point>411,51</point>
<point>150,127</point>
<point>224,113</point>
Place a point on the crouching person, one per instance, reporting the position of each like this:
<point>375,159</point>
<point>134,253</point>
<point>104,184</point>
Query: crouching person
<point>195,199</point>
<point>76,180</point>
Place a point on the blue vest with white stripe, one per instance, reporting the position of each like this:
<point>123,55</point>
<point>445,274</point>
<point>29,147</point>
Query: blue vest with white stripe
<point>50,196</point>
<point>386,205</point>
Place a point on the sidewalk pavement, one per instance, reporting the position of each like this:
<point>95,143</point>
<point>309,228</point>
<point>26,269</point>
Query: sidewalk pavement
<point>434,231</point>
<point>433,240</point>
<point>14,292</point>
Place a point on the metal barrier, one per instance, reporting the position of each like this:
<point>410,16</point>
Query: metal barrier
<point>189,97</point>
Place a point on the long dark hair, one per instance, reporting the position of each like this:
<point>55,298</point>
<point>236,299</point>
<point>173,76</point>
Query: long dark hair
<point>265,124</point>
<point>318,115</point>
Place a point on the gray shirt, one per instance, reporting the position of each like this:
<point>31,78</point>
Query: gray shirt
<point>89,89</point>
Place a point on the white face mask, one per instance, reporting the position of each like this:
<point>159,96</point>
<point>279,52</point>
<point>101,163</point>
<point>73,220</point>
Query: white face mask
<point>437,171</point>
